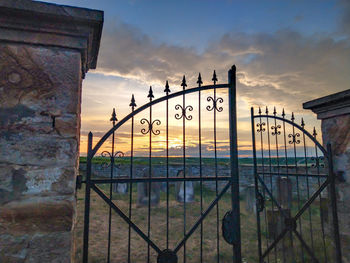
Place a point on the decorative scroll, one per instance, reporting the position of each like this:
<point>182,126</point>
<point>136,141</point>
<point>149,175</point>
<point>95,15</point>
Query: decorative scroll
<point>294,138</point>
<point>183,112</point>
<point>275,130</point>
<point>318,162</point>
<point>107,154</point>
<point>215,104</point>
<point>150,126</point>
<point>260,127</point>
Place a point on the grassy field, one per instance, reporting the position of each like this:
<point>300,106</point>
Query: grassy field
<point>119,236</point>
<point>99,229</point>
<point>195,160</point>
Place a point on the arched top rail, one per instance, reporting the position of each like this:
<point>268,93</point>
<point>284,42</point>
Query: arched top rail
<point>324,151</point>
<point>147,105</point>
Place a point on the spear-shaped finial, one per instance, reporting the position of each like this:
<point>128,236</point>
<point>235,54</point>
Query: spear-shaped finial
<point>267,110</point>
<point>259,111</point>
<point>292,118</point>
<point>302,123</point>
<point>114,116</point>
<point>314,133</point>
<point>214,79</point>
<point>167,90</point>
<point>150,93</point>
<point>132,103</point>
<point>183,84</point>
<point>274,111</point>
<point>283,113</point>
<point>199,81</point>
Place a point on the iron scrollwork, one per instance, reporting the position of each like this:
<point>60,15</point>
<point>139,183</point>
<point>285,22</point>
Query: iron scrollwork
<point>150,126</point>
<point>318,162</point>
<point>183,112</point>
<point>215,104</point>
<point>107,154</point>
<point>260,127</point>
<point>294,137</point>
<point>275,130</point>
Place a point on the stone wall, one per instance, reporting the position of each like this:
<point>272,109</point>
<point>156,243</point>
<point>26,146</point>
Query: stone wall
<point>334,111</point>
<point>40,97</point>
<point>39,141</point>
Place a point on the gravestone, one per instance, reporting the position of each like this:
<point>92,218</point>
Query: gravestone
<point>276,222</point>
<point>184,194</point>
<point>250,201</point>
<point>120,188</point>
<point>143,197</point>
<point>284,192</point>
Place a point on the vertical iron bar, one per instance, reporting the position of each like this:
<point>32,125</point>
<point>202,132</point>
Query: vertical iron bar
<point>319,185</point>
<point>234,165</point>
<point>200,164</point>
<point>167,164</point>
<point>278,170</point>
<point>287,171</point>
<point>256,185</point>
<point>216,177</point>
<point>270,175</point>
<point>308,186</point>
<point>149,176</point>
<point>297,179</point>
<point>110,196</point>
<point>184,161</point>
<point>87,199</point>
<point>334,205</point>
<point>131,176</point>
<point>263,174</point>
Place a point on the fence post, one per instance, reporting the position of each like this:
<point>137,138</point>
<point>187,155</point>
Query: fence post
<point>87,199</point>
<point>234,164</point>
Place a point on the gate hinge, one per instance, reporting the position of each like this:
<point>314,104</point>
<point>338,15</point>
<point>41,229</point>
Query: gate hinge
<point>79,181</point>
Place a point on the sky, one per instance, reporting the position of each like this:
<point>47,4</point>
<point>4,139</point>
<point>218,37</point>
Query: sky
<point>286,53</point>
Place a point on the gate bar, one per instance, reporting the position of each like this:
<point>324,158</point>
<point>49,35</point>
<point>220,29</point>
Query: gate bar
<point>234,165</point>
<point>87,199</point>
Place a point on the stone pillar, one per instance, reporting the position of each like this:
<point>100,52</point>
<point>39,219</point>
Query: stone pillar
<point>45,50</point>
<point>334,111</point>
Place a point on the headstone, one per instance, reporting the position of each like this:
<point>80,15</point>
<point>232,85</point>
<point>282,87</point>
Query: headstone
<point>184,194</point>
<point>276,222</point>
<point>324,204</point>
<point>284,192</point>
<point>121,188</point>
<point>250,201</point>
<point>143,196</point>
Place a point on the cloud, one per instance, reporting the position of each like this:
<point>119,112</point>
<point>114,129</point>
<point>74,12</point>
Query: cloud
<point>281,68</point>
<point>345,18</point>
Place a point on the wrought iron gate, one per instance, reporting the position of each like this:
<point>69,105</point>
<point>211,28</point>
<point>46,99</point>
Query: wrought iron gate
<point>295,192</point>
<point>230,229</point>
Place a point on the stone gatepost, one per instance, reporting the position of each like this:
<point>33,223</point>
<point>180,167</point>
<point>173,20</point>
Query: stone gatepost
<point>45,50</point>
<point>334,111</point>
